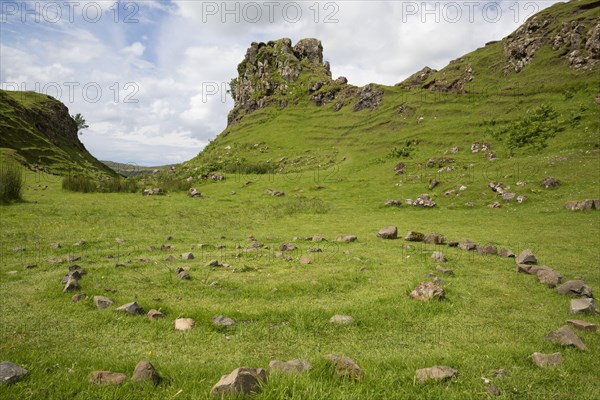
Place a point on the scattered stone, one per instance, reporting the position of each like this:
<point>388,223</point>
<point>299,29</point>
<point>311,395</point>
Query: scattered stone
<point>145,372</point>
<point>437,372</point>
<point>31,266</point>
<point>583,325</point>
<point>346,367</point>
<point>153,192</point>
<point>493,389</point>
<point>566,336</point>
<point>290,367</point>
<point>423,200</point>
<point>488,249</point>
<point>575,288</point>
<point>71,285</point>
<point>347,238</point>
<point>55,260</point>
<point>184,276</point>
<point>583,205</point>
<point>187,256</point>
<point>582,305</point>
<point>526,257</point>
<point>119,240</point>
<point>435,238</point>
<point>167,247</point>
<point>11,373</point>
<point>317,238</point>
<point>184,324</point>
<point>433,183</point>
<point>467,245</point>
<point>546,360</point>
<point>171,258</point>
<point>107,378</point>
<point>495,205</point>
<point>73,258</point>
<point>213,263</point>
<point>79,243</point>
<point>131,308</point>
<point>504,252</point>
<point>194,193</point>
<point>78,297</point>
<point>55,245</point>
<point>470,204</point>
<point>509,196</point>
<point>438,281</point>
<point>287,247</point>
<point>273,192</point>
<point>414,236</point>
<point>549,277</point>
<point>438,256</point>
<point>169,237</point>
<point>240,381</point>
<point>550,182</point>
<point>102,302</point>
<point>154,314</point>
<point>304,260</point>
<point>444,271</point>
<point>390,232</point>
<point>426,291</point>
<point>454,244</point>
<point>223,321</point>
<point>393,203</point>
<point>151,248</point>
<point>341,319</point>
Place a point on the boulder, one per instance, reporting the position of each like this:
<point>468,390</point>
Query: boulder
<point>242,381</point>
<point>184,276</point>
<point>10,372</point>
<point>575,288</point>
<point>346,367</point>
<point>549,277</point>
<point>427,291</point>
<point>412,236</point>
<point>582,305</point>
<point>526,257</point>
<point>467,245</point>
<point>145,372</point>
<point>289,367</point>
<point>107,378</point>
<point>346,238</point>
<point>389,232</point>
<point>341,319</point>
<point>102,302</point>
<point>434,238</point>
<point>583,325</point>
<point>423,200</point>
<point>132,308</point>
<point>566,336</point>
<point>546,360</point>
<point>488,249</point>
<point>437,373</point>
<point>504,252</point>
<point>184,324</point>
<point>550,182</point>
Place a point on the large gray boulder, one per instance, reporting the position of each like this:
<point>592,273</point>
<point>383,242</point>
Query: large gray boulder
<point>389,232</point>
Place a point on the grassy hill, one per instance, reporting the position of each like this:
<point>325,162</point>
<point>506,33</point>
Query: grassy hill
<point>44,135</point>
<point>336,168</point>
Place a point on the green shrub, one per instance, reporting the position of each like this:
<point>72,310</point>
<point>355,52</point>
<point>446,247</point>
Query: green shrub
<point>11,183</point>
<point>78,183</point>
<point>171,183</point>
<point>118,185</point>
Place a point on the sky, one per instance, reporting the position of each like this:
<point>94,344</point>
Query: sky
<point>150,77</point>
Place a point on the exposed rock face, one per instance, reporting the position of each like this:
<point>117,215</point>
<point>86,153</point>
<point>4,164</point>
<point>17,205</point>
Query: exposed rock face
<point>416,80</point>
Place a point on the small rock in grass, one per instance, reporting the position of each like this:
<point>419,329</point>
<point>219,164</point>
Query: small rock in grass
<point>71,285</point>
<point>102,302</point>
<point>183,275</point>
<point>566,336</point>
<point>107,378</point>
<point>132,308</point>
<point>187,256</point>
<point>341,319</point>
<point>78,297</point>
<point>11,372</point>
<point>154,314</point>
<point>444,271</point>
<point>145,372</point>
<point>346,367</point>
<point>575,288</point>
<point>526,257</point>
<point>438,256</point>
<point>212,263</point>
<point>223,321</point>
<point>427,291</point>
<point>346,238</point>
<point>582,305</point>
<point>389,232</point>
<point>242,381</point>
<point>546,360</point>
<point>437,373</point>
<point>583,325</point>
<point>184,324</point>
<point>412,236</point>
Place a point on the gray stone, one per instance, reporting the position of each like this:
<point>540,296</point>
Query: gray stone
<point>154,314</point>
<point>427,291</point>
<point>444,271</point>
<point>467,245</point>
<point>488,249</point>
<point>289,367</point>
<point>304,260</point>
<point>412,236</point>
<point>341,319</point>
<point>212,263</point>
<point>71,285</point>
<point>582,305</point>
<point>346,238</point>
<point>546,360</point>
<point>504,252</point>
<point>78,297</point>
<point>493,389</point>
<point>575,288</point>
<point>223,321</point>
<point>240,381</point>
<point>583,325</point>
<point>145,372</point>
<point>102,302</point>
<point>346,367</point>
<point>566,336</point>
<point>183,275</point>
<point>107,378</point>
<point>392,203</point>
<point>438,256</point>
<point>437,373</point>
<point>550,182</point>
<point>526,257</point>
<point>10,372</point>
<point>434,238</point>
<point>549,277</point>
<point>287,247</point>
<point>131,308</point>
<point>184,324</point>
<point>194,193</point>
<point>187,256</point>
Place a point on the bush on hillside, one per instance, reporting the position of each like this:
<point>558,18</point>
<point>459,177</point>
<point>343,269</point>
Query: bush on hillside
<point>11,183</point>
<point>78,183</point>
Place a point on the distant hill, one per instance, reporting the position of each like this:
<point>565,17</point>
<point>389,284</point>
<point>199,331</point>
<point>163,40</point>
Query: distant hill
<point>132,170</point>
<point>44,136</point>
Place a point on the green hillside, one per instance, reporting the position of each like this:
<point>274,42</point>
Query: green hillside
<point>44,135</point>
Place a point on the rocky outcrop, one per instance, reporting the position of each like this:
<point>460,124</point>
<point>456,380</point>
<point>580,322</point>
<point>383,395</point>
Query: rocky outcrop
<point>417,79</point>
